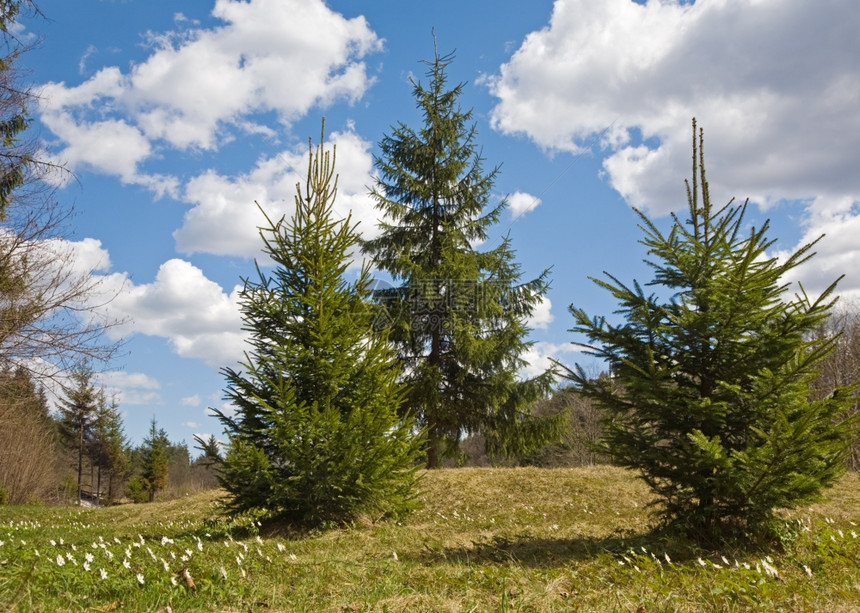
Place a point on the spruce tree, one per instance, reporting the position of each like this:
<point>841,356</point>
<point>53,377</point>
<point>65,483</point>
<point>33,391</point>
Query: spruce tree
<point>316,436</point>
<point>77,413</point>
<point>109,447</point>
<point>458,316</point>
<point>709,394</point>
<point>154,460</point>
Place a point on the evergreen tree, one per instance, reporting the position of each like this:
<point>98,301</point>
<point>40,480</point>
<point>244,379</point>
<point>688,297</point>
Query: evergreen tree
<point>709,394</point>
<point>459,315</point>
<point>316,436</point>
<point>154,460</point>
<point>77,415</point>
<point>109,446</point>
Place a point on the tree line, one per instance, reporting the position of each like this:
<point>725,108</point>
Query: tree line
<point>79,451</point>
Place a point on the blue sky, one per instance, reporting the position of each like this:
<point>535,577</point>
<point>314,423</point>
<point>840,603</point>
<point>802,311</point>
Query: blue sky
<point>175,116</point>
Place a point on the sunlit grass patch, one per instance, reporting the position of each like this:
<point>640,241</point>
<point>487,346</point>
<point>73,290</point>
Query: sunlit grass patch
<point>522,539</point>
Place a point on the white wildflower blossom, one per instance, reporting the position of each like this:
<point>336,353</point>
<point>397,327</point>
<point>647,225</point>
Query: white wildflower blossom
<point>281,547</point>
<point>126,564</point>
<point>140,578</point>
<point>223,573</point>
<point>87,566</point>
<point>53,543</point>
<point>103,574</point>
<point>668,559</point>
<point>769,568</point>
<point>806,568</point>
<point>701,562</point>
<point>60,560</point>
<point>88,557</point>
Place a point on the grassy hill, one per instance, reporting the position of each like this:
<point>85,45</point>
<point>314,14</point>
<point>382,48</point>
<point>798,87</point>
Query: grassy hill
<point>522,539</point>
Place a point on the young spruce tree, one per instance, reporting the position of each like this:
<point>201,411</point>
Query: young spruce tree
<point>459,315</point>
<point>709,387</point>
<point>316,436</point>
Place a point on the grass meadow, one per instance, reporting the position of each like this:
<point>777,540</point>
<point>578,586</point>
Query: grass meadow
<point>484,539</point>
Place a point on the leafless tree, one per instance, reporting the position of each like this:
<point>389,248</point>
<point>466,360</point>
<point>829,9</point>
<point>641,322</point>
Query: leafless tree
<point>843,366</point>
<point>51,309</point>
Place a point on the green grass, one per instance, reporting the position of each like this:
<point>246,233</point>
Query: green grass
<point>484,540</point>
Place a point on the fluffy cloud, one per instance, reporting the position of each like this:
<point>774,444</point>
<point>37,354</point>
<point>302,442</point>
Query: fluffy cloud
<point>225,218</point>
<point>521,203</point>
<point>542,316</point>
<point>130,388</point>
<point>198,84</point>
<point>194,313</point>
<point>539,356</point>
<point>190,401</point>
<point>775,85</point>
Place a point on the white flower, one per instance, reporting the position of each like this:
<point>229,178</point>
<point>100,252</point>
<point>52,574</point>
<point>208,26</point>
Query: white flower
<point>666,555</point>
<point>281,547</point>
<point>701,562</point>
<point>806,568</point>
<point>223,573</point>
<point>140,578</point>
<point>60,560</point>
<point>88,557</point>
<point>103,574</point>
<point>126,564</point>
<point>53,543</point>
<point>87,566</point>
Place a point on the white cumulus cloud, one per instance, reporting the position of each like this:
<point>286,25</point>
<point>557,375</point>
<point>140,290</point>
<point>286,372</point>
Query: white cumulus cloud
<point>199,319</point>
<point>774,83</point>
<point>198,85</point>
<point>224,219</point>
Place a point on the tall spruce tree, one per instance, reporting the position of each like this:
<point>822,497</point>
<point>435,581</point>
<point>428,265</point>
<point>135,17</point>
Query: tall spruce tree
<point>316,436</point>
<point>77,413</point>
<point>109,447</point>
<point>709,394</point>
<point>459,314</point>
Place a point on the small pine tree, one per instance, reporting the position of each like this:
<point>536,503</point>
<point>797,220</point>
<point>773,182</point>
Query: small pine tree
<point>459,317</point>
<point>709,394</point>
<point>77,413</point>
<point>316,436</point>
<point>154,460</point>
